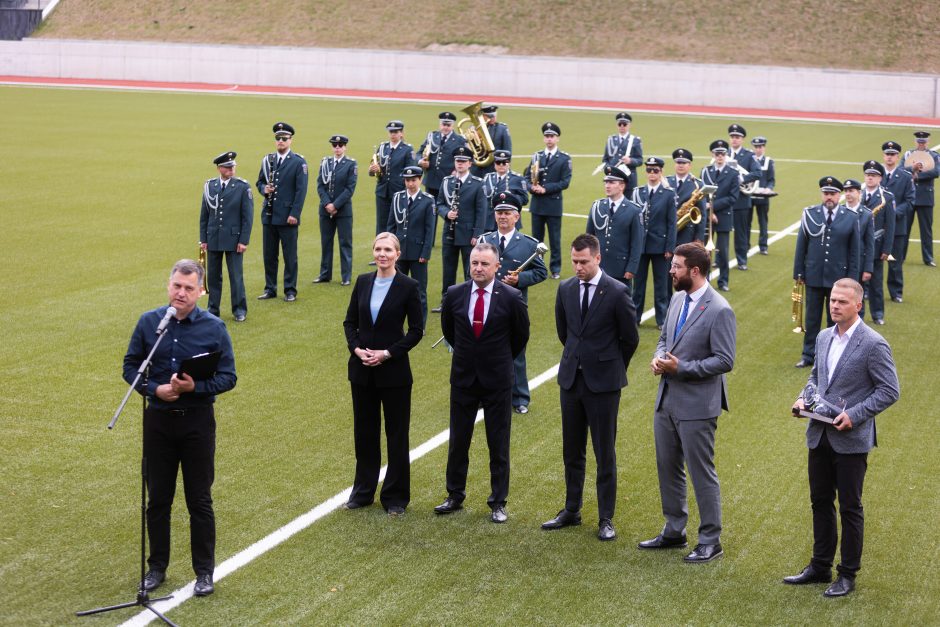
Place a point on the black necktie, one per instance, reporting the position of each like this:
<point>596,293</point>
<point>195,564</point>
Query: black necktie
<point>829,219</point>
<point>410,200</point>
<point>584,299</point>
<point>222,188</point>
<point>502,244</point>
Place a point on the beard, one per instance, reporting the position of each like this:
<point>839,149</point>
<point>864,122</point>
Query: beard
<point>682,284</point>
<point>830,204</point>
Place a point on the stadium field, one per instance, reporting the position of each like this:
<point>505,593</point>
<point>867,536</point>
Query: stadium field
<point>100,196</point>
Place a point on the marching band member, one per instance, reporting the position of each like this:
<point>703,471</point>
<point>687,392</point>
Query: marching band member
<point>768,180</point>
<point>725,178</point>
<point>684,184</point>
<point>827,249</point>
<point>412,221</point>
<point>554,176</point>
<point>615,221</point>
<point>899,182</point>
<point>624,148</point>
<point>924,177</point>
<point>658,204</point>
<point>336,185</point>
<point>504,180</point>
<point>743,211</point>
<point>499,133</point>
<point>881,203</point>
<point>388,162</point>
<point>437,152</point>
<point>515,249</point>
<point>853,202</point>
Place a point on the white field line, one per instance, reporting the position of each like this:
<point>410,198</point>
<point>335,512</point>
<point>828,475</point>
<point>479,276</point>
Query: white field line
<point>303,521</point>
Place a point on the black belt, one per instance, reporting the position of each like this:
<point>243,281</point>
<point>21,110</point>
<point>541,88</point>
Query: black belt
<point>183,411</point>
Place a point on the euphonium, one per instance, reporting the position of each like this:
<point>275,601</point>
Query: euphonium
<point>689,213</point>
<point>204,262</point>
<point>797,295</point>
<point>473,129</point>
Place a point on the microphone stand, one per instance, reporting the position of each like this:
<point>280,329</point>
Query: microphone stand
<point>143,599</point>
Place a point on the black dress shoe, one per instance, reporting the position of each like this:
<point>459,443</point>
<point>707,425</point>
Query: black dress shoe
<point>355,505</point>
<point>563,519</point>
<point>239,317</point>
<point>664,542</point>
<point>449,506</point>
<point>809,575</point>
<point>521,409</point>
<point>290,297</point>
<point>840,587</point>
<point>153,579</point>
<point>803,363</point>
<point>499,514</point>
<point>395,511</point>
<point>605,530</point>
<point>203,587</point>
<point>267,295</point>
<point>321,280</point>
<point>931,263</point>
<point>704,553</point>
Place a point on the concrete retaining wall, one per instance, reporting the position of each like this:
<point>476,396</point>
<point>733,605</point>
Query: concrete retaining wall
<point>798,89</point>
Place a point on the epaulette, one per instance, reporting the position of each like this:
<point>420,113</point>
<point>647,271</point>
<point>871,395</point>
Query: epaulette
<point>424,193</point>
<point>529,237</point>
<point>564,153</point>
<point>488,233</point>
<point>243,181</point>
<point>476,177</point>
<point>209,180</point>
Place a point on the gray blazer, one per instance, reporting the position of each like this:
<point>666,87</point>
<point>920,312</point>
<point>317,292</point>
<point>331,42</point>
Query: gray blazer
<point>705,349</point>
<point>865,377</point>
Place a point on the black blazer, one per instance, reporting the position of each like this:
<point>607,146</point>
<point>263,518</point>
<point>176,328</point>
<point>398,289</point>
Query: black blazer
<point>402,300</point>
<point>604,344</point>
<point>506,332</point>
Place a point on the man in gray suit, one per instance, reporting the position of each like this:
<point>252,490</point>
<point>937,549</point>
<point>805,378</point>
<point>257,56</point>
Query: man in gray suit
<point>853,379</point>
<point>695,351</point>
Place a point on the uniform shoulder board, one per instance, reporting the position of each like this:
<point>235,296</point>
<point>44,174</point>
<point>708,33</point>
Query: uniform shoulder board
<point>209,180</point>
<point>855,210</point>
<point>408,146</point>
<point>476,178</point>
<point>564,153</point>
<point>351,159</point>
<point>424,193</point>
<point>529,237</point>
<point>243,181</point>
<point>301,156</point>
<point>488,233</point>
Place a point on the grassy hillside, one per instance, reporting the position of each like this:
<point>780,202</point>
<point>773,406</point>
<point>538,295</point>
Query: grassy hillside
<point>842,34</point>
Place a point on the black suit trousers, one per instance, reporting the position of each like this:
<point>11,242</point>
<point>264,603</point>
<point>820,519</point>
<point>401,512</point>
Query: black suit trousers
<point>497,417</point>
<point>581,411</point>
<point>172,441</point>
<point>832,473</point>
<point>368,403</point>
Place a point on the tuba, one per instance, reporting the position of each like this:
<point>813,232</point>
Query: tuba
<point>204,262</point>
<point>473,129</point>
<point>689,213</point>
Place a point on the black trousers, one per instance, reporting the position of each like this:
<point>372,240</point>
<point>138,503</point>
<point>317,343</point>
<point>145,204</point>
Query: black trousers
<point>554,238</point>
<point>497,418</point>
<point>924,215</point>
<point>419,272</point>
<point>382,206</point>
<point>233,262</point>
<point>661,285</point>
<point>876,289</point>
<point>285,237</point>
<point>817,301</point>
<point>368,403</point>
<point>581,411</point>
<point>722,255</point>
<point>896,268</point>
<point>449,257</point>
<point>832,473</point>
<point>172,440</point>
<point>743,219</point>
<point>328,228</point>
<point>763,215</point>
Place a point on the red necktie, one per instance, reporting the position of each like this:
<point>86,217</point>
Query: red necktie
<point>478,314</point>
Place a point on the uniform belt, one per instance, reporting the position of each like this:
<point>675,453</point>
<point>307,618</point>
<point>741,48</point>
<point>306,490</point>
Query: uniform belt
<point>183,411</point>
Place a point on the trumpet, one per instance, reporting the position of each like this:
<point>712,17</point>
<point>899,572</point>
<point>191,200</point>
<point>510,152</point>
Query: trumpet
<point>798,295</point>
<point>689,213</point>
<point>204,262</point>
<point>375,162</point>
<point>534,170</point>
<point>428,146</point>
<point>473,129</point>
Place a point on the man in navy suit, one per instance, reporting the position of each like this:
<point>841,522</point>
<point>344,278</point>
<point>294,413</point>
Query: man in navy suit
<point>515,249</point>
<point>226,234</point>
<point>503,180</point>
<point>899,182</point>
<point>283,182</point>
<point>554,176</point>
<point>725,178</point>
<point>685,184</point>
<point>487,324</point>
<point>827,249</point>
<point>743,210</point>
<point>596,324</point>
<point>624,148</point>
<point>392,158</point>
<point>336,185</point>
<point>437,153</point>
<point>499,134</point>
<point>853,380</point>
<point>412,220</point>
<point>462,205</point>
<point>658,205</point>
<point>924,177</point>
<point>615,221</point>
<point>768,180</point>
<point>881,204</point>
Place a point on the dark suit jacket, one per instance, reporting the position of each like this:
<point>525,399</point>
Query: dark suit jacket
<point>489,359</point>
<point>603,345</point>
<point>386,333</point>
<point>340,188</point>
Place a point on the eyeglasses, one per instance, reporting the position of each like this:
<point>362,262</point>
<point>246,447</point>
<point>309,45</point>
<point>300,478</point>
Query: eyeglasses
<point>337,145</point>
<point>623,124</point>
<point>501,163</point>
<point>281,138</point>
<point>676,266</point>
<point>653,170</point>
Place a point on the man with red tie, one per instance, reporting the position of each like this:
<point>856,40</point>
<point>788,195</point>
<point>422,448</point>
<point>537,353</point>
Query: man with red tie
<point>487,324</point>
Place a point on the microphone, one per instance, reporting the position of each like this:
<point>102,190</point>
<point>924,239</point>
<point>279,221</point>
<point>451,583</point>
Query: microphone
<point>170,312</point>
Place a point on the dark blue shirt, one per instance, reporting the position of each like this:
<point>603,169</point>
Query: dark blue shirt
<point>199,332</point>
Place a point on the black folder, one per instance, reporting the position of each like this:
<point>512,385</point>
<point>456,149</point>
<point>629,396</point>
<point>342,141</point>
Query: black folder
<point>201,367</point>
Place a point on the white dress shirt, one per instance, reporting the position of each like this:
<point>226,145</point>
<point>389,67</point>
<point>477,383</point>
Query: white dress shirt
<point>838,345</point>
<point>487,297</point>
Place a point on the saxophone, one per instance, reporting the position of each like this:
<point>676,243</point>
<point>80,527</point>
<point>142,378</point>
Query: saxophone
<point>689,213</point>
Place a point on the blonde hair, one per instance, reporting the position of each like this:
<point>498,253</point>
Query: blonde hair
<point>387,235</point>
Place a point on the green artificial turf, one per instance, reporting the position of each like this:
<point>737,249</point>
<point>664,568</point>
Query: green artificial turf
<point>100,195</point>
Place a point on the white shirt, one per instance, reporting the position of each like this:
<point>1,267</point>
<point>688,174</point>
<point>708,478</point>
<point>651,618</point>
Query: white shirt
<point>615,204</point>
<point>696,296</point>
<point>550,153</point>
<point>487,297</point>
<point>463,179</point>
<point>591,291</point>
<point>280,157</point>
<point>508,237</point>
<point>838,345</point>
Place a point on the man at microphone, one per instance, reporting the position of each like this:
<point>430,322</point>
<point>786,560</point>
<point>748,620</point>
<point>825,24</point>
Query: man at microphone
<point>179,421</point>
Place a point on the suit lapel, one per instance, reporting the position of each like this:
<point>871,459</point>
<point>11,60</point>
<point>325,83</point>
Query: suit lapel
<point>600,290</point>
<point>696,311</point>
<point>388,296</point>
<point>846,354</point>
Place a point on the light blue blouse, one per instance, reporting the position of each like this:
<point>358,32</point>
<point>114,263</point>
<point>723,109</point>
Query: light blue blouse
<point>379,291</point>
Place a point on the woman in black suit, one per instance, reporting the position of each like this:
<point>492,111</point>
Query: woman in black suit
<point>380,375</point>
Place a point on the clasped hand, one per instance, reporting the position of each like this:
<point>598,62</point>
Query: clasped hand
<point>668,364</point>
<point>179,384</point>
<point>371,357</point>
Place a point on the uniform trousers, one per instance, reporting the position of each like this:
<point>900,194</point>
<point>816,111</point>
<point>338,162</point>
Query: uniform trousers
<point>173,439</point>
<point>283,236</point>
<point>817,301</point>
<point>832,473</point>
<point>497,418</point>
<point>680,443</point>
<point>661,283</point>
<point>896,267</point>
<point>382,207</point>
<point>449,256</point>
<point>876,289</point>
<point>582,411</point>
<point>520,386</point>
<point>233,261</point>
<point>743,220</point>
<point>722,255</point>
<point>554,238</point>
<point>369,402</point>
<point>925,224</point>
<point>328,228</point>
<point>419,272</point>
<point>763,215</point>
